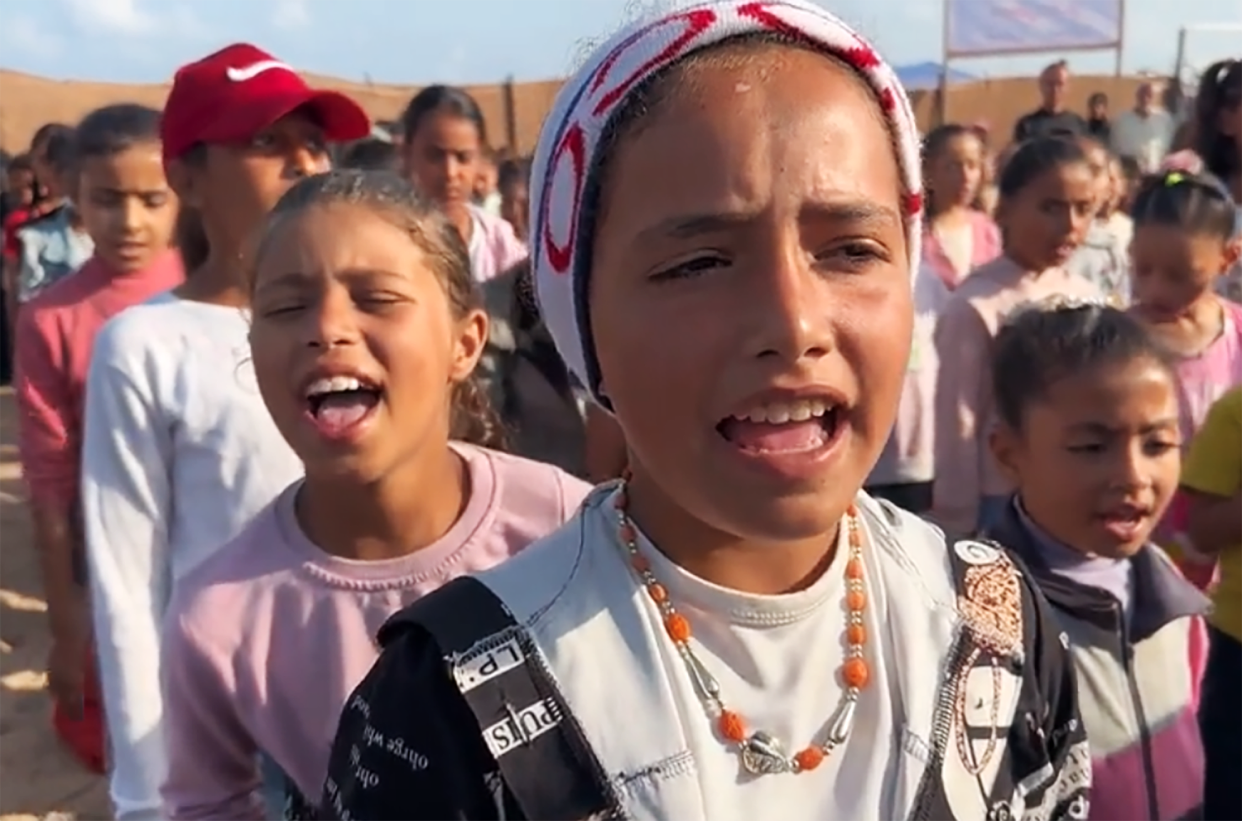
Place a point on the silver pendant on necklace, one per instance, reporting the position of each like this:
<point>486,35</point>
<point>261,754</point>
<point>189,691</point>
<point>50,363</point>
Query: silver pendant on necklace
<point>763,755</point>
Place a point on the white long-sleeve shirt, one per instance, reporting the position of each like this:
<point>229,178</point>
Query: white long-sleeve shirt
<point>179,453</point>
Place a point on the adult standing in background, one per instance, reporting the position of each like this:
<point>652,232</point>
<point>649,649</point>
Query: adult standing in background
<point>1051,119</point>
<point>1145,132</point>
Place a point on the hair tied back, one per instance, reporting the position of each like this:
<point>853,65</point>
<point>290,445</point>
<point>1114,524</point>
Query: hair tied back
<point>1056,303</point>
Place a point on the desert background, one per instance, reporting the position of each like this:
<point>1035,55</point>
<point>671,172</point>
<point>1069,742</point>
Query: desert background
<point>40,780</point>
<point>514,111</point>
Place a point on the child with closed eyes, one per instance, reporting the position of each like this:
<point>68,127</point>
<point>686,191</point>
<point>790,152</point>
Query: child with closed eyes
<point>726,220</point>
<point>178,450</point>
<point>367,327</point>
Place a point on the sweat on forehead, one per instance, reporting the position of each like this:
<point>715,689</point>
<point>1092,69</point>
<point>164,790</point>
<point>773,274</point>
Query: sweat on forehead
<point>742,127</point>
<point>578,130</point>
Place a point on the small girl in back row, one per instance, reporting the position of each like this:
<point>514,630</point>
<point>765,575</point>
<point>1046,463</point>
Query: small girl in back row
<point>957,238</point>
<point>1183,228</point>
<point>1047,200</point>
<point>367,327</point>
<point>1088,434</point>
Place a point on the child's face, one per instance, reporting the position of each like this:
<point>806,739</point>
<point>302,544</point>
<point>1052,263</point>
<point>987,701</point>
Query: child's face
<point>1045,222</point>
<point>21,185</point>
<point>1116,186</point>
<point>750,301</point>
<point>47,174</point>
<point>956,173</point>
<point>355,344</point>
<point>1098,161</point>
<point>442,158</point>
<point>1171,269</point>
<point>240,183</point>
<point>485,180</point>
<point>515,207</point>
<point>1098,458</point>
<point>127,206</point>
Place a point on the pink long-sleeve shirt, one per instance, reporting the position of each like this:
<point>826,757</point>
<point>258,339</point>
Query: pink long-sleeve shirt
<point>985,246</point>
<point>54,338</point>
<point>265,640</point>
<point>965,469</point>
<point>493,246</point>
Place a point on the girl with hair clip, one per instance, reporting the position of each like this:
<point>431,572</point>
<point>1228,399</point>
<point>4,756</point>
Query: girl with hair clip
<point>726,217</point>
<point>443,148</point>
<point>129,211</point>
<point>1088,433</point>
<point>1047,199</point>
<point>179,451</point>
<point>957,238</point>
<point>1182,245</point>
<point>367,328</point>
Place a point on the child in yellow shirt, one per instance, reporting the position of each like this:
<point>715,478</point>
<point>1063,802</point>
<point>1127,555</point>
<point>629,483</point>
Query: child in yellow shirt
<point>1212,483</point>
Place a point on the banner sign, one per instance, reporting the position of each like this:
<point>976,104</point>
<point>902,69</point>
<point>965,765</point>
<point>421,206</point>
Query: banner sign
<point>981,27</point>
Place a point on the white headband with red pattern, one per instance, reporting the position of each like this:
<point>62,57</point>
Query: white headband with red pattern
<point>571,134</point>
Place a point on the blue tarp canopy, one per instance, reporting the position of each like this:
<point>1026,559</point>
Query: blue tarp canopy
<point>926,76</point>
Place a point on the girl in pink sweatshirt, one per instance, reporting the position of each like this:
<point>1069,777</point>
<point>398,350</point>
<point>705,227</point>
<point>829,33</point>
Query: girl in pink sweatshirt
<point>367,327</point>
<point>1047,199</point>
<point>957,238</point>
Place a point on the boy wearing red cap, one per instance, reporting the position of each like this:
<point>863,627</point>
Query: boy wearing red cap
<point>179,451</point>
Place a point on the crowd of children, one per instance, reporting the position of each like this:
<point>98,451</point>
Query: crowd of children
<point>289,431</point>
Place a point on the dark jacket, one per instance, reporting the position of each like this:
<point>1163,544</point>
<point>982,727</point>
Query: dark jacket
<point>1138,679</point>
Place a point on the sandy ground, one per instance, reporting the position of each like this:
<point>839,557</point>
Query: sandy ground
<point>38,779</point>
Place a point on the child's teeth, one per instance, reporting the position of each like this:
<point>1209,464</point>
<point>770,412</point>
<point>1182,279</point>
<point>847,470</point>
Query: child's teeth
<point>778,413</point>
<point>801,411</point>
<point>334,384</point>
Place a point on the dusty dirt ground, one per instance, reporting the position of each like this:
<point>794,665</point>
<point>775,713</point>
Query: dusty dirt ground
<point>38,779</point>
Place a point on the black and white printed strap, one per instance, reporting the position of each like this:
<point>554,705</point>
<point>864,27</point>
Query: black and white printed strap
<point>543,757</point>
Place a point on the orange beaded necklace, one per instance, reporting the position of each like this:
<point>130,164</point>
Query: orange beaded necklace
<point>760,752</point>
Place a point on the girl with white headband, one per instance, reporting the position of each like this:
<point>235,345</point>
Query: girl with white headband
<point>725,220</point>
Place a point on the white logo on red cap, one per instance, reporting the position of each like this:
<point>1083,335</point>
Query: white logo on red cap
<point>241,75</point>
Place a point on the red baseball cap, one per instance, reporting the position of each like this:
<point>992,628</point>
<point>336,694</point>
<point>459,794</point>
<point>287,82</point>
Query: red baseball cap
<point>238,91</point>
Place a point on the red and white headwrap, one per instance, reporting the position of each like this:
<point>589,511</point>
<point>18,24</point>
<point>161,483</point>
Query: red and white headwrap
<point>565,156</point>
